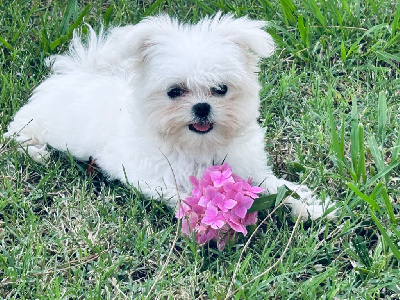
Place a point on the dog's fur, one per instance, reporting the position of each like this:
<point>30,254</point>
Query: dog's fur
<point>110,98</point>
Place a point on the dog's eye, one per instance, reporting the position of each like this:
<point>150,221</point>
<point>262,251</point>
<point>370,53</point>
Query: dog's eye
<point>175,92</point>
<point>219,90</point>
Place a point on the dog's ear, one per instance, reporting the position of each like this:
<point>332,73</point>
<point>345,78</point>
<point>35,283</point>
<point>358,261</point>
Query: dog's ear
<point>138,40</point>
<point>250,35</point>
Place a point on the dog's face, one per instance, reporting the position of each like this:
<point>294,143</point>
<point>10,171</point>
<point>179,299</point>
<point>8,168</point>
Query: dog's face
<point>198,83</point>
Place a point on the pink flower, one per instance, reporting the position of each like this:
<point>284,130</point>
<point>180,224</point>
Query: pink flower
<point>189,223</point>
<point>222,202</point>
<point>235,223</point>
<point>209,193</point>
<point>243,204</point>
<point>218,206</point>
<point>250,218</point>
<point>213,218</point>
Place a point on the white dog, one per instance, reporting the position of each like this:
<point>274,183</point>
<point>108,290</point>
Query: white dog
<point>130,95</point>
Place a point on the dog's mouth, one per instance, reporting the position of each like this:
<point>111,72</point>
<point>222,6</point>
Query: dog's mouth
<point>201,128</point>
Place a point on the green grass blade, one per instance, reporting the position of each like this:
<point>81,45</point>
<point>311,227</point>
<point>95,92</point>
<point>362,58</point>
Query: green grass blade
<point>335,142</point>
<point>385,236</point>
<point>382,116</point>
<point>78,20</point>
<point>361,160</point>
<point>376,153</point>
<point>68,12</point>
<point>343,51</point>
<point>107,15</point>
<point>346,6</point>
<point>388,206</point>
<point>314,7</point>
<point>366,198</point>
<point>396,148</point>
<point>354,143</point>
<point>362,251</point>
<point>6,44</point>
<point>288,9</point>
<point>383,172</point>
<point>392,41</point>
<point>388,58</point>
<point>4,88</point>
<point>396,18</point>
<point>267,5</point>
<point>354,47</point>
<point>153,7</point>
<point>66,37</point>
<point>341,142</point>
<point>377,190</point>
<point>303,29</point>
<point>22,27</point>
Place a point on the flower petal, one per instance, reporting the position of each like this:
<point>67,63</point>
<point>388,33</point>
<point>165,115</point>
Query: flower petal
<point>194,181</point>
<point>204,201</point>
<point>230,203</point>
<point>217,224</point>
<point>250,218</point>
<point>240,211</point>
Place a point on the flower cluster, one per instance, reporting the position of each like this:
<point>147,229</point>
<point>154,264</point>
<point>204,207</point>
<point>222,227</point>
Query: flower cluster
<point>218,206</point>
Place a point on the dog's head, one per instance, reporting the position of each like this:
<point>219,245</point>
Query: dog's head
<point>197,84</point>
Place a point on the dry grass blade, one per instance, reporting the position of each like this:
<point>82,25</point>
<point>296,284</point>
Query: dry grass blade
<point>275,263</point>
<point>176,233</point>
<point>254,232</point>
<point>71,265</point>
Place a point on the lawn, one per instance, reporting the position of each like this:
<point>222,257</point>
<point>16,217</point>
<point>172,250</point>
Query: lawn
<point>330,102</point>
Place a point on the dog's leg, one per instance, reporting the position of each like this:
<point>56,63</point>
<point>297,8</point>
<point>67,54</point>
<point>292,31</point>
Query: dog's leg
<point>30,137</point>
<point>254,163</point>
<point>308,206</point>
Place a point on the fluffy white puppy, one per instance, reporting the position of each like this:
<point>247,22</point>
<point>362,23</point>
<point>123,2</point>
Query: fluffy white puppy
<point>134,93</point>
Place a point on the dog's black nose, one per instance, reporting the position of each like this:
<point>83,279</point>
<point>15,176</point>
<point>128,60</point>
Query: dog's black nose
<point>201,110</point>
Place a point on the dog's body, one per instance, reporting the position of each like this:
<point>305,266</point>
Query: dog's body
<point>137,93</point>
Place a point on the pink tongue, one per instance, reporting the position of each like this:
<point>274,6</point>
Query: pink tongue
<point>202,127</point>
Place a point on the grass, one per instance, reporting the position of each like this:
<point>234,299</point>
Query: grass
<point>330,103</point>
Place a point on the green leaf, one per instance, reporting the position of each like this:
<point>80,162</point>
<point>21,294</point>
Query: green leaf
<point>263,202</point>
<point>283,191</point>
